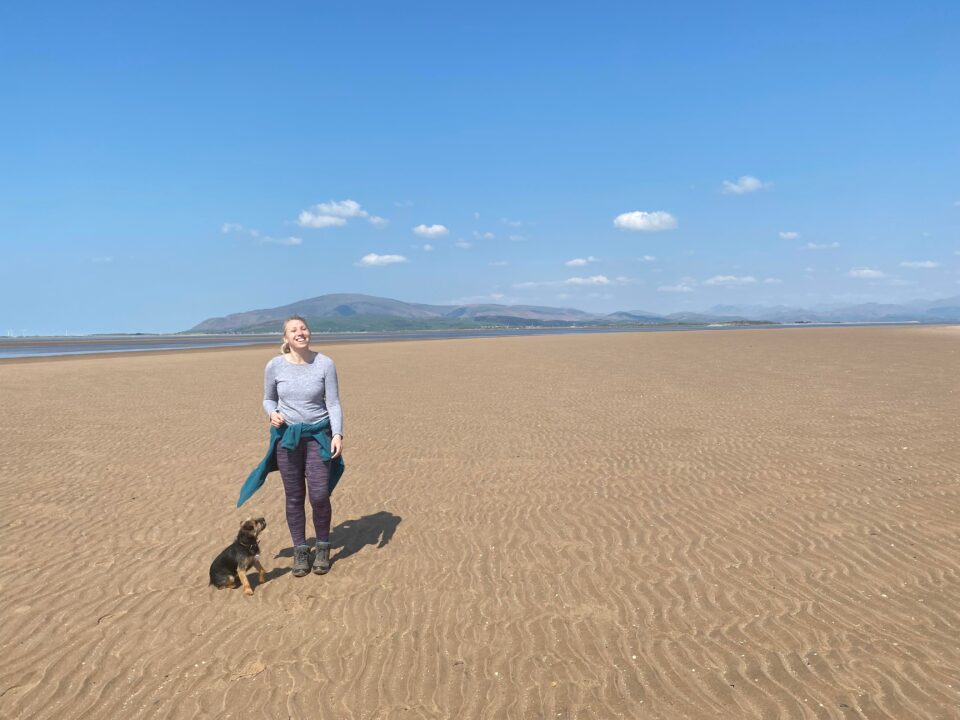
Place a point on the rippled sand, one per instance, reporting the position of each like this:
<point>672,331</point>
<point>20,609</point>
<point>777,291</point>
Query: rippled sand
<point>737,524</point>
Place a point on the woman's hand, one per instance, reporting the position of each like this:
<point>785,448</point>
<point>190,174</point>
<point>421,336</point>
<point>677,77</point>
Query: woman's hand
<point>276,419</point>
<point>336,447</point>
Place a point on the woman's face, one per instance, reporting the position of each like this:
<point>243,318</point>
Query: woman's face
<point>297,334</point>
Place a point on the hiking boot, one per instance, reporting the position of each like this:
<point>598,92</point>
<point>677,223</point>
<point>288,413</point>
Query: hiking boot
<point>321,561</point>
<point>301,560</point>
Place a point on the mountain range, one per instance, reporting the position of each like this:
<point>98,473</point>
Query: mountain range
<point>354,312</point>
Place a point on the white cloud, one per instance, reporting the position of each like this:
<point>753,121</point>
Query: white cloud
<point>927,264</point>
<point>402,203</point>
<point>333,214</point>
<point>518,238</point>
<point>310,220</point>
<point>789,235</point>
<point>580,262</point>
<point>578,281</point>
<point>592,280</point>
<point>730,280</point>
<point>645,221</point>
<point>679,288</point>
<point>476,216</point>
<point>228,228</point>
<point>866,273</point>
<point>372,260</point>
<point>822,246</point>
<point>378,221</point>
<point>484,235</point>
<point>428,248</point>
<point>463,244</point>
<point>431,231</point>
<point>772,281</point>
<point>102,259</point>
<point>340,208</point>
<point>647,258</point>
<point>511,223</point>
<point>283,241</point>
<point>237,228</point>
<point>746,184</point>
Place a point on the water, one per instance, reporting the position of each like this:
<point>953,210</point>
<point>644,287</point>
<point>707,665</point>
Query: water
<point>34,347</point>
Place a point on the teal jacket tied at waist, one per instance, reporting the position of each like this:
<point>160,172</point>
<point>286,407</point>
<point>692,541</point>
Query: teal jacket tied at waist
<point>289,437</point>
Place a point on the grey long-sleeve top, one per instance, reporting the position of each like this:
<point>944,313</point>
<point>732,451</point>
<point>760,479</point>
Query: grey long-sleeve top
<point>305,393</point>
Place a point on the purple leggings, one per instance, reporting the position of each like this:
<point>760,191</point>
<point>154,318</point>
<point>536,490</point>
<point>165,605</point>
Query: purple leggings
<point>297,466</point>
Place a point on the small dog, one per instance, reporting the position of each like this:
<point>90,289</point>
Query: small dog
<point>232,564</point>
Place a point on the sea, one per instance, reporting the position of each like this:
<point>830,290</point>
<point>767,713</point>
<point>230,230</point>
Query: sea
<point>41,347</point>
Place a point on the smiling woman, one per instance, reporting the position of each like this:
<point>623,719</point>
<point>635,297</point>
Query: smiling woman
<point>302,399</point>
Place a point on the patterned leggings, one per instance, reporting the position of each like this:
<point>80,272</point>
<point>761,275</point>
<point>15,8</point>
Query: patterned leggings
<point>299,468</point>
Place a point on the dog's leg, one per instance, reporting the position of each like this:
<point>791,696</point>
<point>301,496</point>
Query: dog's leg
<point>259,567</point>
<point>247,590</point>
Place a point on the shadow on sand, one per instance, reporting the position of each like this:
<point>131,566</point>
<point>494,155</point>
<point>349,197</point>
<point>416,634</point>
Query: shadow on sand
<point>351,536</point>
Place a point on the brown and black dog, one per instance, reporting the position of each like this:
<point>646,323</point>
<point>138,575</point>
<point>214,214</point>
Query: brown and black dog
<point>232,564</point>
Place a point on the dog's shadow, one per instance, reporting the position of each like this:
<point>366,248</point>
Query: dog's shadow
<point>350,537</point>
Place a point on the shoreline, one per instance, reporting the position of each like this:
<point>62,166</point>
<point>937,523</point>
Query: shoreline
<point>360,339</point>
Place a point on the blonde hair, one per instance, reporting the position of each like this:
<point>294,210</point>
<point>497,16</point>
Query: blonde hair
<point>284,345</point>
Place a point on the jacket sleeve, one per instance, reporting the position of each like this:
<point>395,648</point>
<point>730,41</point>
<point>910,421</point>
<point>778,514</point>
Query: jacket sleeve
<point>332,400</point>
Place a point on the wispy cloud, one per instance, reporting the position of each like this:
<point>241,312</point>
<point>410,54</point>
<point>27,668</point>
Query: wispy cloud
<point>647,258</point>
<point>431,231</point>
<point>308,219</point>
<point>427,248</point>
<point>517,238</point>
<point>498,263</point>
<point>680,287</point>
<point>334,214</point>
<point>102,259</point>
<point>730,280</point>
<point>378,221</point>
<point>926,264</point>
<point>403,203</point>
<point>865,273</point>
<point>511,223</point>
<point>483,235</point>
<point>373,260</point>
<point>463,244</point>
<point>580,262</point>
<point>572,281</point>
<point>641,221</point>
<point>592,280</point>
<point>822,246</point>
<point>237,228</point>
<point>789,235</point>
<point>772,281</point>
<point>745,184</point>
<point>282,241</point>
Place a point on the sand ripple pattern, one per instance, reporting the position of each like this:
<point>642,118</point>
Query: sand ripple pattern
<point>746,524</point>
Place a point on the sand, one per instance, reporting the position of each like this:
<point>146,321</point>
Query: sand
<point>737,524</point>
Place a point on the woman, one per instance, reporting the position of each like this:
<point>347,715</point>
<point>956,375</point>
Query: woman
<point>301,397</point>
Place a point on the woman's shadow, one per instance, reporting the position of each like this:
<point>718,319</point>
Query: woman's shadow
<point>351,536</point>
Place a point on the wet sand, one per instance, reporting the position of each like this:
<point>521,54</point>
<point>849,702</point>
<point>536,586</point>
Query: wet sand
<point>739,524</point>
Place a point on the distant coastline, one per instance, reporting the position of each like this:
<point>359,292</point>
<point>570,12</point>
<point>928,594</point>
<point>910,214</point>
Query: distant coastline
<point>14,348</point>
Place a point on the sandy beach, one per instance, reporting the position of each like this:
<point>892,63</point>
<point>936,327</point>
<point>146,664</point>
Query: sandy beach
<point>737,524</point>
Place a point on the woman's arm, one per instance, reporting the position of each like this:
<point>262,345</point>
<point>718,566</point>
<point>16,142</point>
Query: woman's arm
<point>270,397</point>
<point>332,401</point>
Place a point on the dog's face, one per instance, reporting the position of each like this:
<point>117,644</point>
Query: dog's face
<point>253,526</point>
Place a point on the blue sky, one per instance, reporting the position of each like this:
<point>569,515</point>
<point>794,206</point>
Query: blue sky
<point>166,164</point>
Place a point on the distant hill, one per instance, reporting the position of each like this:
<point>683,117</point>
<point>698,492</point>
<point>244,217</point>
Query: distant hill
<point>345,312</point>
<point>354,312</point>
